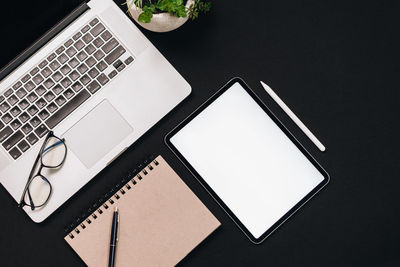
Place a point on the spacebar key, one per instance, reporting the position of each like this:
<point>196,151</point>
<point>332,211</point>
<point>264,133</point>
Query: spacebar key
<point>63,112</point>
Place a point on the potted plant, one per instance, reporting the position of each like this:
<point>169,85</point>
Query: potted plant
<point>165,15</point>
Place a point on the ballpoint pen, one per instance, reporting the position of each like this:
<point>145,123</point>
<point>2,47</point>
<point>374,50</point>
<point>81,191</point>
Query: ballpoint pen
<point>114,238</point>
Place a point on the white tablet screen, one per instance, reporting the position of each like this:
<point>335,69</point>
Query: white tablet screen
<point>247,160</point>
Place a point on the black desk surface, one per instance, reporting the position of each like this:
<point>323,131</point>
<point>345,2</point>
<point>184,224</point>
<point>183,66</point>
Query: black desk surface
<point>335,63</point>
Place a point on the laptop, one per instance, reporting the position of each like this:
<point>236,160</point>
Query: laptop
<point>95,80</point>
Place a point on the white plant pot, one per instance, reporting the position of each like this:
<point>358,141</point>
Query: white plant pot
<point>162,22</point>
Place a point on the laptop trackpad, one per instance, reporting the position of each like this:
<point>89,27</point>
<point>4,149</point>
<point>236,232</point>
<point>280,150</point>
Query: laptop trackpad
<point>99,131</point>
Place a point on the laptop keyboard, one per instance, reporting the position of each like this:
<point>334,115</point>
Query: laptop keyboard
<point>60,83</point>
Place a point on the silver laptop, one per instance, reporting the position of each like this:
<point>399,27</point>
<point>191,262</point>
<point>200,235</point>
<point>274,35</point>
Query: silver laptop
<point>94,80</point>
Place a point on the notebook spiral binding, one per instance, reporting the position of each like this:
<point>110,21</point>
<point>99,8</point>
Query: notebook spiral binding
<point>116,192</point>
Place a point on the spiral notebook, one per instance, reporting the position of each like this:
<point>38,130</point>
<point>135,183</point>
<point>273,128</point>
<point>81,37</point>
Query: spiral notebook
<point>161,221</point>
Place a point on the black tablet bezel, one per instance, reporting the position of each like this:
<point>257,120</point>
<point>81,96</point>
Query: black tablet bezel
<point>211,191</point>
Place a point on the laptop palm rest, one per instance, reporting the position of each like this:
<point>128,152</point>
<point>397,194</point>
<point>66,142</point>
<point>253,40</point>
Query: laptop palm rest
<point>98,132</point>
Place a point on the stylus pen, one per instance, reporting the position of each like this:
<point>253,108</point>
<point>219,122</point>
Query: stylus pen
<point>114,238</point>
<point>293,116</point>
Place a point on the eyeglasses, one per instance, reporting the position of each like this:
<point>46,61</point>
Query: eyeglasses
<point>38,189</point>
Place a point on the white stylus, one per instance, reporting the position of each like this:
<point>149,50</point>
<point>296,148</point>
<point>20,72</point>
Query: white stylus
<point>293,116</point>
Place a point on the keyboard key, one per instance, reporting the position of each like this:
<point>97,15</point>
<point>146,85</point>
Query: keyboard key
<point>90,49</point>
<point>43,64</point>
<point>35,122</point>
<point>68,93</point>
<point>4,107</point>
<point>99,54</point>
<point>57,76</point>
<point>2,98</point>
<point>106,35</point>
<point>32,97</point>
<point>15,111</point>
<point>40,90</point>
<point>12,100</point>
<point>85,79</point>
<point>54,65</point>
<point>77,36</point>
<point>129,60</point>
<point>24,117</point>
<point>102,79</point>
<point>26,78</point>
<point>96,30</point>
<point>51,57</point>
<point>101,65</point>
<point>27,128</point>
<point>93,87</point>
<point>112,74</point>
<point>38,79</point>
<point>121,67</point>
<point>6,118</point>
<point>32,110</point>
<point>98,42</point>
<point>41,103</point>
<point>23,146</point>
<point>41,131</point>
<point>57,89</point>
<point>11,141</point>
<point>63,112</point>
<point>71,51</point>
<point>73,63</point>
<point>93,73</point>
<point>117,63</point>
<point>87,38</point>
<point>77,86</point>
<point>49,96</point>
<point>82,68</point>
<point>43,114</point>
<point>29,86</point>
<point>32,139</point>
<point>82,56</point>
<point>90,62</point>
<point>21,93</point>
<point>115,54</point>
<point>85,29</point>
<point>94,22</point>
<point>8,92</point>
<point>79,45</point>
<point>15,124</point>
<point>65,69</point>
<point>68,43</point>
<point>46,72</point>
<point>48,83</point>
<point>1,125</point>
<point>6,132</point>
<point>110,45</point>
<point>15,153</point>
<point>62,58</point>
<point>34,71</point>
<point>23,104</point>
<point>60,100</point>
<point>60,50</point>
<point>52,107</point>
<point>66,82</point>
<point>17,85</point>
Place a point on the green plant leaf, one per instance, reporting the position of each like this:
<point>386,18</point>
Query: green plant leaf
<point>145,16</point>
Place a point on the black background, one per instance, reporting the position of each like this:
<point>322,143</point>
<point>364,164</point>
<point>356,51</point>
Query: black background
<point>335,63</point>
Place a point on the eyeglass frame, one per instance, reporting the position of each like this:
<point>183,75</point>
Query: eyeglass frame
<point>22,202</point>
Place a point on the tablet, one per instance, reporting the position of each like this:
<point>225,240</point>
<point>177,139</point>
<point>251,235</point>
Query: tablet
<point>247,160</point>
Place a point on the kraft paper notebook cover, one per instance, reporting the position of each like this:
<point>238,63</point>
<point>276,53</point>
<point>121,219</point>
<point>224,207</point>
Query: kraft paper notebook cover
<point>161,221</point>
